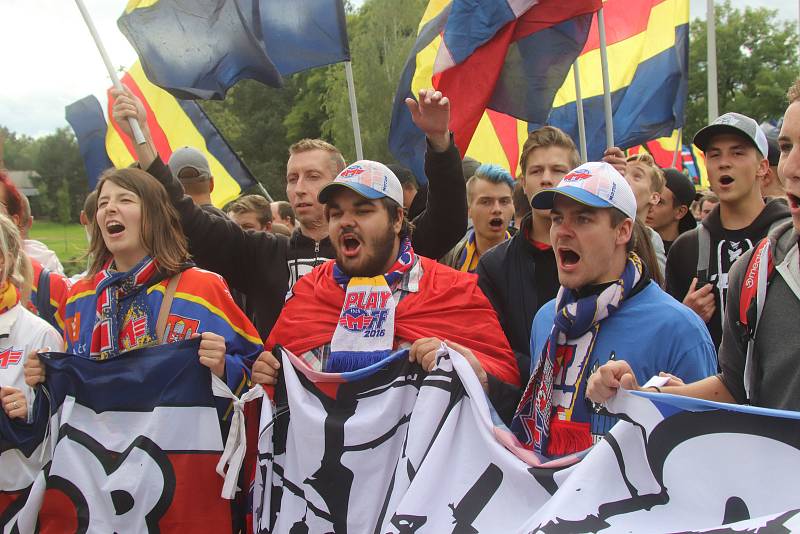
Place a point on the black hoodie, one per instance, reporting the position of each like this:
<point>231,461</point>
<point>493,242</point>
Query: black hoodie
<point>726,247</point>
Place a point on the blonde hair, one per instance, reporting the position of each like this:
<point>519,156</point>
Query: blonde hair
<point>307,145</point>
<point>793,94</point>
<point>657,179</point>
<point>16,265</point>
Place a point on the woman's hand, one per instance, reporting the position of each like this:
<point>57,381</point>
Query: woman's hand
<point>14,403</point>
<point>266,369</point>
<point>34,369</point>
<point>212,352</point>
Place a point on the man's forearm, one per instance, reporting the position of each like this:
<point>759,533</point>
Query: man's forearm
<point>710,388</point>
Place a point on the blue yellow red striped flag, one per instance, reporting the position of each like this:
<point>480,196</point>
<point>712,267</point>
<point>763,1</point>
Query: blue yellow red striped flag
<point>177,123</point>
<point>506,56</point>
<point>87,120</point>
<point>648,54</point>
<point>690,159</point>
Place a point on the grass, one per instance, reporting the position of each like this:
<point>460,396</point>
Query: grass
<point>68,241</point>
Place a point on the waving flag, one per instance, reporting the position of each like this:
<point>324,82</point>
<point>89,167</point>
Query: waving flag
<point>509,57</point>
<point>197,49</point>
<point>175,124</point>
<point>87,121</point>
<point>136,442</point>
<point>391,449</point>
<point>200,49</point>
<point>648,55</point>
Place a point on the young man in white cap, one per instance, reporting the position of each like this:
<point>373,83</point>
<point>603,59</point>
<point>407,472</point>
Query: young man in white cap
<point>699,260</point>
<point>760,347</point>
<point>379,296</point>
<point>607,308</point>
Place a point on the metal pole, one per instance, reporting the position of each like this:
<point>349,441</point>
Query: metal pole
<point>263,191</point>
<point>711,37</point>
<point>351,91</point>
<point>678,144</point>
<point>138,136</point>
<point>601,26</point>
<point>579,107</point>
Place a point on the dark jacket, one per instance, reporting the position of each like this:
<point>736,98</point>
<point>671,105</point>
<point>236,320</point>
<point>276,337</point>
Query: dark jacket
<point>726,247</point>
<point>260,265</point>
<point>518,279</point>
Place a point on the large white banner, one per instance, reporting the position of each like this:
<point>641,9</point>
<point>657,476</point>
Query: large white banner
<point>392,449</point>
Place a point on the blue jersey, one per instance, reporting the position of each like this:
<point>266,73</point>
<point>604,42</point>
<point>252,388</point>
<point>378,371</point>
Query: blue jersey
<point>651,331</point>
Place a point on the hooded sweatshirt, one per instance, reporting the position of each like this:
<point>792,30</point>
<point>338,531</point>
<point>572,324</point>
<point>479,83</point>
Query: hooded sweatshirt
<point>776,353</point>
<point>726,247</point>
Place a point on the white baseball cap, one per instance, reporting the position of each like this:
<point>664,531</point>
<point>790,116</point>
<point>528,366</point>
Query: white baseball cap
<point>369,179</point>
<point>595,184</point>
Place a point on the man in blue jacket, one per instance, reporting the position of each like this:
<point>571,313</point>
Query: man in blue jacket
<point>607,308</point>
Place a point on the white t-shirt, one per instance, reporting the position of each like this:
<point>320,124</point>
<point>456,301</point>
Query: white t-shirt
<point>39,251</point>
<point>20,333</point>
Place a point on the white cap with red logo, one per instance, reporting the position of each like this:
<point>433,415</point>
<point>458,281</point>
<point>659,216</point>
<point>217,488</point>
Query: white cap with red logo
<point>369,179</point>
<point>595,184</point>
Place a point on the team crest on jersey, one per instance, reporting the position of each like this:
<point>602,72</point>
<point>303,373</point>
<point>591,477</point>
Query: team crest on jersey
<point>180,328</point>
<point>10,357</point>
<point>72,327</point>
<point>134,333</point>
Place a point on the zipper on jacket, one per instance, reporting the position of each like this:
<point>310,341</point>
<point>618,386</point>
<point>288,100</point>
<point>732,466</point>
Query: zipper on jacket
<point>316,253</point>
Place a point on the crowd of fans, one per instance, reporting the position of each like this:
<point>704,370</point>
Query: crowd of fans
<point>558,286</point>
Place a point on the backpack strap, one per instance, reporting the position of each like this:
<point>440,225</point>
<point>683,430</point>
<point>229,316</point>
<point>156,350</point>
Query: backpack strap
<point>752,296</point>
<point>166,304</point>
<point>703,253</point>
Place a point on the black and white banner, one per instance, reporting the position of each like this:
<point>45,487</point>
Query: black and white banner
<point>392,449</point>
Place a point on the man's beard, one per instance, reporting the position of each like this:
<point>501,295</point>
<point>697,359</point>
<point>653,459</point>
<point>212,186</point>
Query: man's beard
<point>374,264</point>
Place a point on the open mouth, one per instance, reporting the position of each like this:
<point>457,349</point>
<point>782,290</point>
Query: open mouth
<point>114,228</point>
<point>794,201</point>
<point>568,257</point>
<point>725,180</point>
<point>350,244</point>
<point>496,223</point>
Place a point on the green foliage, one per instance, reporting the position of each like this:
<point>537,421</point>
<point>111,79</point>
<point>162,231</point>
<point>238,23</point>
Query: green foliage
<point>62,182</point>
<point>756,63</point>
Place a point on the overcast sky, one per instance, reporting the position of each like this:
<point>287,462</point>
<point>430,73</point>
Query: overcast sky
<point>49,59</point>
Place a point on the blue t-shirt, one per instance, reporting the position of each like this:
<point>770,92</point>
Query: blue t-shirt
<point>651,331</point>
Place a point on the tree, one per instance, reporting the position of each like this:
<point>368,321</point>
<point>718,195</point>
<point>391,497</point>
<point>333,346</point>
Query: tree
<point>381,36</point>
<point>756,63</point>
<point>62,182</point>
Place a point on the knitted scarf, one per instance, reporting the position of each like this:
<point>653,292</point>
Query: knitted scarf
<point>553,417</point>
<point>365,330</point>
<point>122,316</point>
<point>9,296</point>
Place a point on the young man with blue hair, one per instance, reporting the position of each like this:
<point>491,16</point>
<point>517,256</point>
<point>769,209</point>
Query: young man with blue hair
<point>491,208</point>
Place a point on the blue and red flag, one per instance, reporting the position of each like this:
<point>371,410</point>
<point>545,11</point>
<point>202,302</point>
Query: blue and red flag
<point>87,120</point>
<point>138,443</point>
<point>497,56</point>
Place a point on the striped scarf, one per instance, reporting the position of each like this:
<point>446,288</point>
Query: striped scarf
<point>468,259</point>
<point>121,313</point>
<point>365,331</point>
<point>560,426</point>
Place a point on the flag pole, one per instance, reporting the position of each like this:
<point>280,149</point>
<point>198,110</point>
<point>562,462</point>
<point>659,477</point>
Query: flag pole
<point>138,136</point>
<point>601,26</point>
<point>579,107</point>
<point>678,144</point>
<point>351,91</point>
<point>711,40</point>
